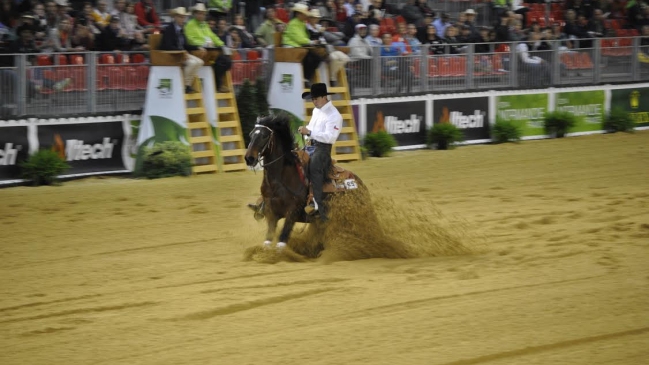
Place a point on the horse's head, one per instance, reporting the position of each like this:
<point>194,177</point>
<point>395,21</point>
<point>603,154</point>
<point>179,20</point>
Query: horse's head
<point>261,138</point>
<point>271,135</point>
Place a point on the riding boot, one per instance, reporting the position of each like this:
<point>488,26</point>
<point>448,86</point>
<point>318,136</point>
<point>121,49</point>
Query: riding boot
<point>258,208</point>
<point>319,162</point>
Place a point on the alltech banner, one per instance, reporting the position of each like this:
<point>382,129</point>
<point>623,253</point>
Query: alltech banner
<point>88,145</point>
<point>633,100</point>
<point>587,106</point>
<point>526,110</point>
<point>14,149</point>
<point>471,115</point>
<point>404,121</point>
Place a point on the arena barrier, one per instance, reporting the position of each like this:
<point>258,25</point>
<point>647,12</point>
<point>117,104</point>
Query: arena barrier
<point>106,145</point>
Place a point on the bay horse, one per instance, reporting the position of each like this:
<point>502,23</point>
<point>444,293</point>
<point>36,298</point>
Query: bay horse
<point>285,190</point>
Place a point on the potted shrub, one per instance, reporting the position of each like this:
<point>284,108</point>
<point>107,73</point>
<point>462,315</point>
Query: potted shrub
<point>43,167</point>
<point>558,123</point>
<point>618,120</point>
<point>505,131</point>
<point>171,158</point>
<point>444,135</point>
<point>379,144</point>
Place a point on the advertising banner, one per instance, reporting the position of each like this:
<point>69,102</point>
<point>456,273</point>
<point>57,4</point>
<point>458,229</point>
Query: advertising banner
<point>635,101</point>
<point>526,110</point>
<point>471,115</point>
<point>87,147</point>
<point>164,117</point>
<point>404,121</point>
<point>14,148</point>
<point>285,92</point>
<point>587,106</point>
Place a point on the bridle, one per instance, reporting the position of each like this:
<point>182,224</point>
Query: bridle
<point>269,144</point>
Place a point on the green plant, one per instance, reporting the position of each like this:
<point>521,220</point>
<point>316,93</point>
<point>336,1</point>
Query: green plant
<point>261,97</point>
<point>618,120</point>
<point>247,105</point>
<point>379,144</point>
<point>505,131</point>
<point>558,123</point>
<point>43,167</point>
<point>443,135</point>
<point>170,158</point>
<point>364,153</point>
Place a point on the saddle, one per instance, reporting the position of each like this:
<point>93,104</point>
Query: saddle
<point>338,179</point>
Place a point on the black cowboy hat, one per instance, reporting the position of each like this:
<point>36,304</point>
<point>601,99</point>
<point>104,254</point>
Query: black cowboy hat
<point>317,90</point>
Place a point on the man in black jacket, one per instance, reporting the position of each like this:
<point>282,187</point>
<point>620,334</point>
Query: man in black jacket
<point>173,39</point>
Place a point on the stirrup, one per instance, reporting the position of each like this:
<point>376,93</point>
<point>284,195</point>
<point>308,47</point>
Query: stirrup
<point>258,209</point>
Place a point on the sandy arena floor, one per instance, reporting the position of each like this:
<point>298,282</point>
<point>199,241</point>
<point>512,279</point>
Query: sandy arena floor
<point>119,271</point>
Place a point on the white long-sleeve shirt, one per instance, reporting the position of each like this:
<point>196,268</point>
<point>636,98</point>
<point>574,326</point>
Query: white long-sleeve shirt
<point>325,124</point>
<point>523,51</point>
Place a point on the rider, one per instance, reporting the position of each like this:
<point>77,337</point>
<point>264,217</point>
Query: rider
<point>323,130</point>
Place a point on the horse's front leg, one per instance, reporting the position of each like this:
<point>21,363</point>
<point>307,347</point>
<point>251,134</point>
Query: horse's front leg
<point>286,230</point>
<point>271,221</point>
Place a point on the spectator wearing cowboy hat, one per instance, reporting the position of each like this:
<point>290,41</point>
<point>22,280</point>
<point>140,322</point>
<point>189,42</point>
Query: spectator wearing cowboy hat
<point>336,59</point>
<point>297,35</point>
<point>199,34</point>
<point>173,39</point>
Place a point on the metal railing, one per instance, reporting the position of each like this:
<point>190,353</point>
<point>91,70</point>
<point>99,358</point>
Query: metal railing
<point>96,83</point>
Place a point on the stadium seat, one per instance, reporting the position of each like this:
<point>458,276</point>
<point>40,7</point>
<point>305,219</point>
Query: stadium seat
<point>43,60</point>
<point>76,59</point>
<point>433,70</point>
<point>252,55</point>
<point>105,59</point>
<point>138,58</point>
<point>63,60</point>
<point>568,60</point>
<point>583,61</point>
<point>123,58</point>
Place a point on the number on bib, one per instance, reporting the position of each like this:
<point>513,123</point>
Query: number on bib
<point>350,184</point>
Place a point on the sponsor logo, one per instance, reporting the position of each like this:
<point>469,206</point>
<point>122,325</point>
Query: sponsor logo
<point>476,120</point>
<point>76,149</point>
<point>9,153</point>
<point>634,99</point>
<point>286,82</point>
<point>394,125</point>
<point>165,88</point>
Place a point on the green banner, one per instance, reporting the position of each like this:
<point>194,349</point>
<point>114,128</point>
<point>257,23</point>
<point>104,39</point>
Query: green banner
<point>526,111</point>
<point>587,106</point>
<point>635,101</point>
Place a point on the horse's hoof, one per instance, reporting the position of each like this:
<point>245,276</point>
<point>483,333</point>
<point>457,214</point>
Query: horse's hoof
<point>280,246</point>
<point>267,244</point>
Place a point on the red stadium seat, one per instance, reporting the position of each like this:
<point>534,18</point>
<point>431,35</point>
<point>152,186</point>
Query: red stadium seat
<point>106,59</point>
<point>76,59</point>
<point>138,58</point>
<point>43,60</point>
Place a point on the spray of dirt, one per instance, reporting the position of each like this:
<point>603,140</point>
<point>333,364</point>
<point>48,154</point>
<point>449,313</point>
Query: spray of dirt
<point>360,228</point>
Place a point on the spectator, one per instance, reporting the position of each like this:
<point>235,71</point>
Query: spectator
<point>296,35</point>
<point>520,9</point>
<point>265,34</point>
<point>253,12</point>
<point>87,14</point>
<point>422,27</point>
<point>350,26</point>
<point>39,15</point>
<point>470,15</point>
<point>128,22</point>
<point>222,30</point>
<point>60,39</point>
<point>29,21</point>
<point>237,40</point>
<point>112,38</point>
<point>424,8</point>
<point>51,16</point>
<point>331,36</point>
<point>120,8</point>
<point>348,5</point>
<point>62,9</point>
<point>374,39</point>
<point>199,34</point>
<point>442,23</point>
<point>453,45</point>
<point>336,59</point>
<point>359,48</point>
<point>8,14</point>
<point>484,42</point>
<point>101,14</point>
<point>584,32</point>
<point>502,29</point>
<point>394,65</point>
<point>219,8</point>
<point>373,17</point>
<point>399,40</point>
<point>146,15</point>
<point>533,65</point>
<point>83,37</point>
<point>411,12</point>
<point>173,39</point>
<point>411,39</point>
<point>341,13</point>
<point>328,10</point>
<point>436,43</point>
<point>246,37</point>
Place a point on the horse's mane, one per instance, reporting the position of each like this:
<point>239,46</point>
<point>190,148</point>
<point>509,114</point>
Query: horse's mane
<point>281,126</point>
